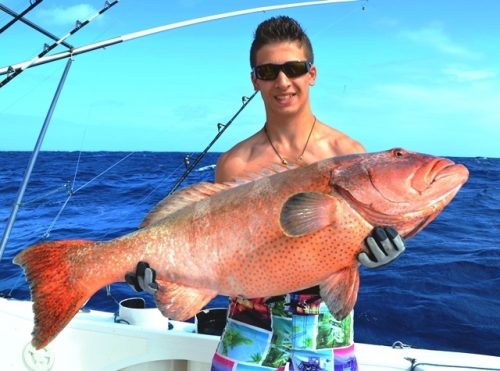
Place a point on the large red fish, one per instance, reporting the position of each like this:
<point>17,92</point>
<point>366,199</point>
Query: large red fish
<point>277,234</point>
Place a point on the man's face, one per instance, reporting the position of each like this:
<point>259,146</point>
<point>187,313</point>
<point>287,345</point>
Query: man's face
<point>284,95</point>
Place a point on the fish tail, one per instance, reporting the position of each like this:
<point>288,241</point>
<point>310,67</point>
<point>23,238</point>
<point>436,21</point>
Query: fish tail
<point>58,286</point>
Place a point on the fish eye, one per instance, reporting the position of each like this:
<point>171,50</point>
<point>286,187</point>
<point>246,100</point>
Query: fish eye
<point>398,152</point>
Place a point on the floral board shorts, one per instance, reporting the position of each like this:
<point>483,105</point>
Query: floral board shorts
<point>292,332</point>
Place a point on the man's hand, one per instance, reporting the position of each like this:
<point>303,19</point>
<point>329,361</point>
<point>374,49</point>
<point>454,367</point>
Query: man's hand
<point>385,245</point>
<point>144,279</point>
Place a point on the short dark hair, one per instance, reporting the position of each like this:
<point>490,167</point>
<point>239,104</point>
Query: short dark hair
<point>278,29</point>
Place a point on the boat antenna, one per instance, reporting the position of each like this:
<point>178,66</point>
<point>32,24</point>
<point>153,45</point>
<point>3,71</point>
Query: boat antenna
<point>151,31</point>
<point>47,48</point>
<point>220,129</point>
<point>20,15</point>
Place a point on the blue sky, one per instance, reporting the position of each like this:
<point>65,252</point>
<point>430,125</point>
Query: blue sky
<point>423,75</point>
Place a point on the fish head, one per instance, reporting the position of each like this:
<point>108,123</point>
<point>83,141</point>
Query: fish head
<point>398,188</point>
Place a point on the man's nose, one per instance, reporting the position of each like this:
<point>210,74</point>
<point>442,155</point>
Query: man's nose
<point>282,79</point>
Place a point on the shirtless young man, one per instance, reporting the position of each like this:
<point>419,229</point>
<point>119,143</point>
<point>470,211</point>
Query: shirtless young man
<point>294,330</point>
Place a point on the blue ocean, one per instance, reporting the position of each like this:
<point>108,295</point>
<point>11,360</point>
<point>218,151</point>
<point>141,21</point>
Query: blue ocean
<point>443,293</point>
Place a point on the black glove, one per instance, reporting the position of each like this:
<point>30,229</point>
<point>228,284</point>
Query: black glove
<point>385,246</point>
<point>143,279</point>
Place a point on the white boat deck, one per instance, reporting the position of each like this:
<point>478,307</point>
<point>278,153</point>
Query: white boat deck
<point>93,341</point>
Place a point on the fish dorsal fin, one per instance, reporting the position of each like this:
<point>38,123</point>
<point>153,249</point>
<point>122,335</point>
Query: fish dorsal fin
<point>183,198</point>
<point>200,191</point>
<point>265,172</point>
<point>308,212</point>
<point>340,291</point>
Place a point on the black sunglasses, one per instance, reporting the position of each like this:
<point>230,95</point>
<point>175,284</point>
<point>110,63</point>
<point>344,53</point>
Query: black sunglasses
<point>271,71</point>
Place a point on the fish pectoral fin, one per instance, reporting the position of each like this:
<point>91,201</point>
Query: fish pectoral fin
<point>308,212</point>
<point>340,292</point>
<point>180,302</point>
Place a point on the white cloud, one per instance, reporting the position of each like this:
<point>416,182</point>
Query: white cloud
<point>469,75</point>
<point>435,37</point>
<point>67,16</point>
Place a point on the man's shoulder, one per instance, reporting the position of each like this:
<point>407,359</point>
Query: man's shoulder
<point>232,163</point>
<point>341,143</point>
<point>240,152</point>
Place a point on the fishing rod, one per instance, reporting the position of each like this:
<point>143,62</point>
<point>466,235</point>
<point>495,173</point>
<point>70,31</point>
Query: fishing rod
<point>155,30</point>
<point>221,128</point>
<point>79,25</point>
<point>20,15</point>
<point>33,25</point>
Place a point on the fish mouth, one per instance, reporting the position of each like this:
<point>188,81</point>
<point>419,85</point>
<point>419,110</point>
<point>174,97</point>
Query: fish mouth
<point>437,171</point>
<point>426,183</point>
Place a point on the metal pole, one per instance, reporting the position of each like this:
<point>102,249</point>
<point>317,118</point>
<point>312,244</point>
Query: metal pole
<point>31,164</point>
<point>151,31</point>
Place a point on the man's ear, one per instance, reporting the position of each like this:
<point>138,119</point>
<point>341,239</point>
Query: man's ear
<point>313,74</point>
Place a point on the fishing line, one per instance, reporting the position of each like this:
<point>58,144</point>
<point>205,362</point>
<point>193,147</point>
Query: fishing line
<point>76,169</point>
<point>102,173</point>
<point>56,218</point>
<point>46,195</point>
<point>72,191</point>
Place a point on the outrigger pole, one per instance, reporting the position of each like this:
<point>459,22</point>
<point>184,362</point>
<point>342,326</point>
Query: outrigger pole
<point>151,31</point>
<point>31,164</point>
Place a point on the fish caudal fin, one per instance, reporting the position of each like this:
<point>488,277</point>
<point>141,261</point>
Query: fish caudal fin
<point>56,292</point>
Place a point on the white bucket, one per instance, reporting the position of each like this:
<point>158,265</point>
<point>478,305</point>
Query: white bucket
<point>134,312</point>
